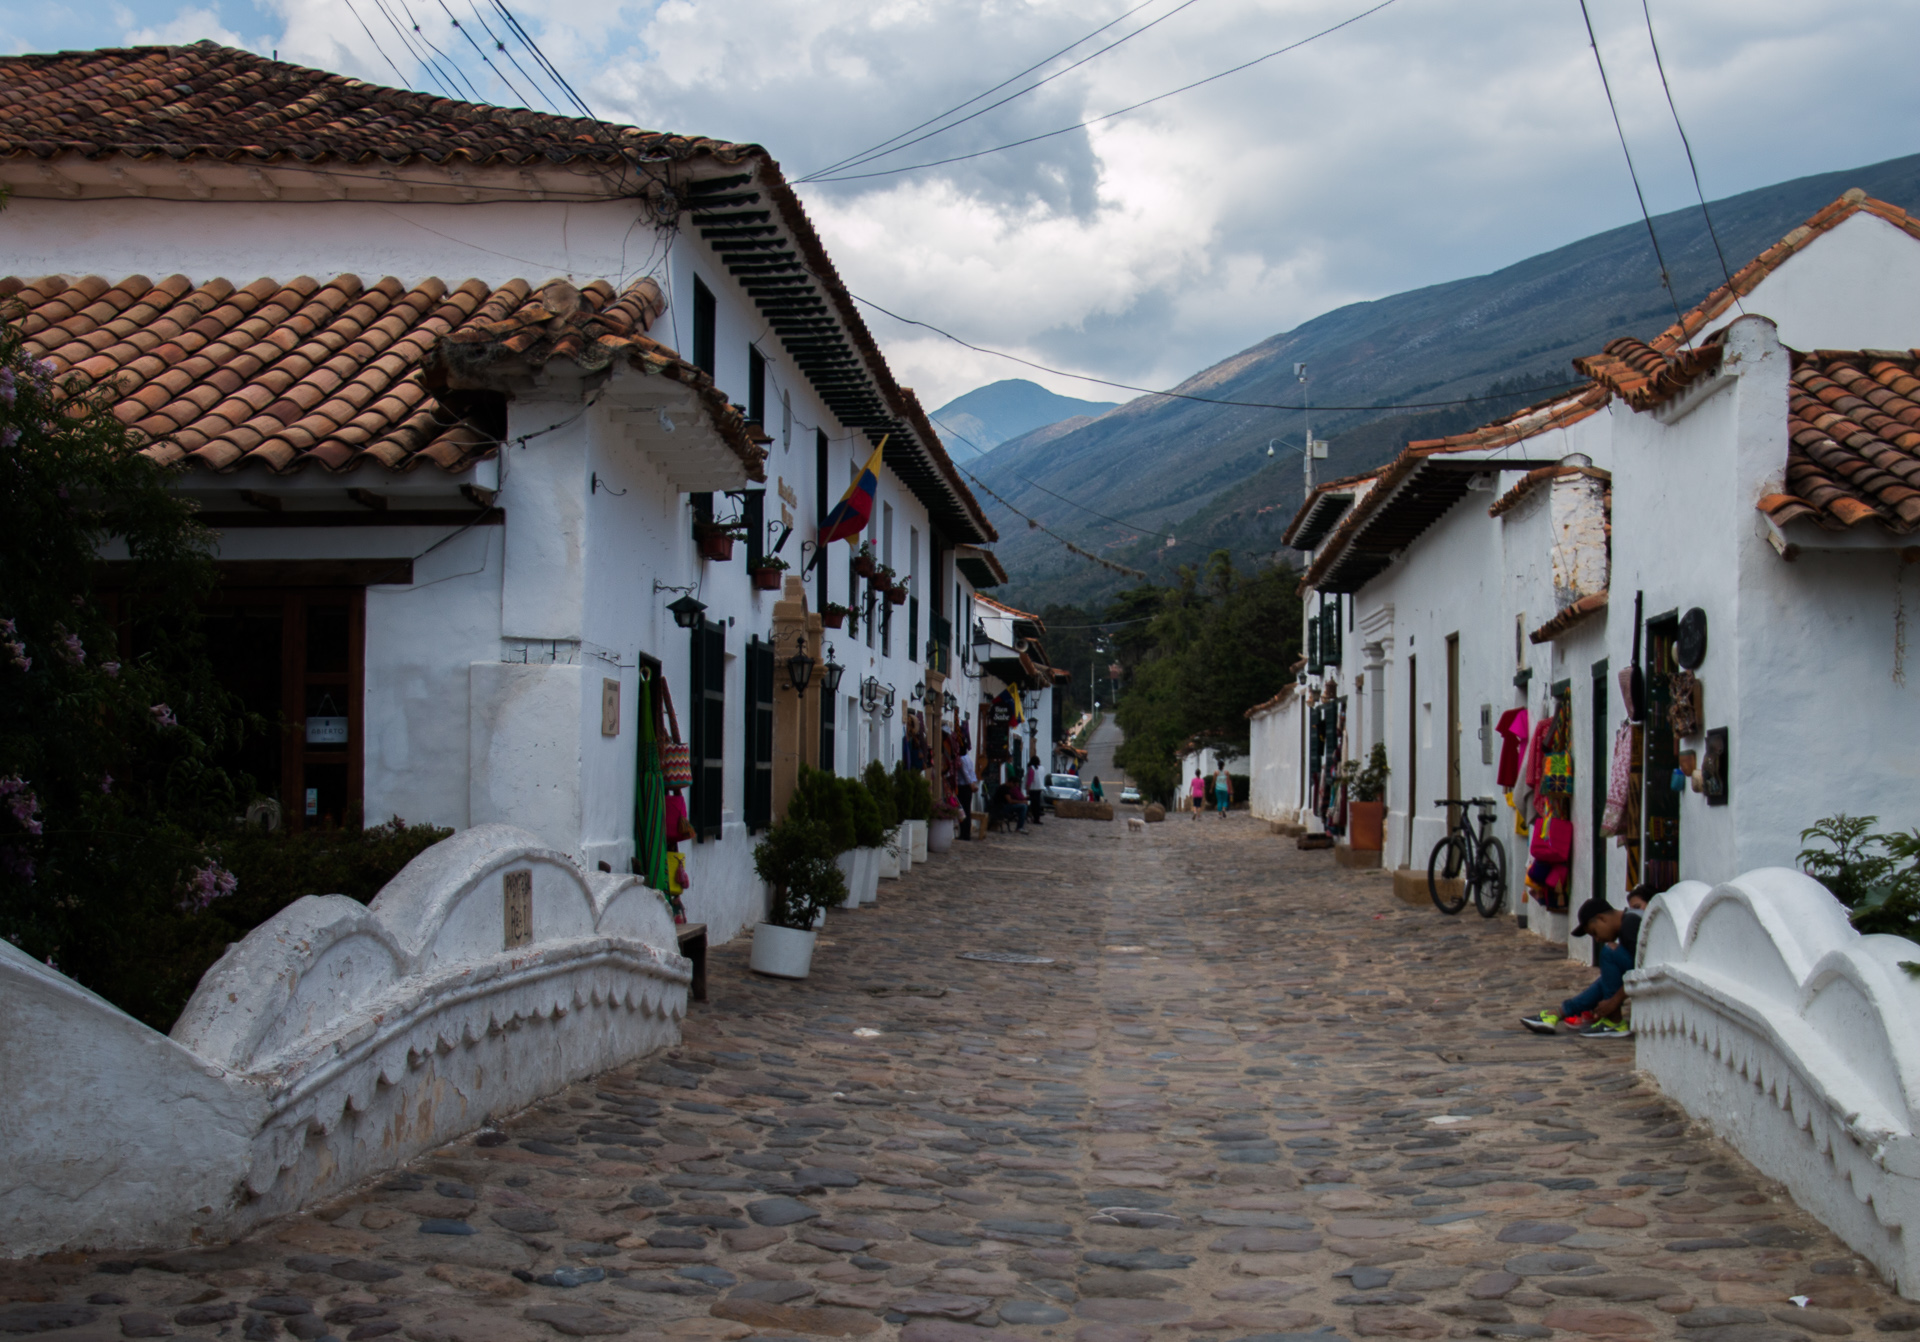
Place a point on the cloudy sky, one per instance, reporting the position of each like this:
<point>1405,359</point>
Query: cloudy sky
<point>1421,143</point>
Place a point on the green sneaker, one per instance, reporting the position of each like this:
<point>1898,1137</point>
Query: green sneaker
<point>1607,1029</point>
<point>1542,1022</point>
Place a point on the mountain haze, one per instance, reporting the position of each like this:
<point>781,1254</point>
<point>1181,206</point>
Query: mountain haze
<point>1201,473</point>
<point>988,416</point>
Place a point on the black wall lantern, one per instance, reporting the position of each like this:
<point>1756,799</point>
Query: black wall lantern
<point>830,674</point>
<point>887,710</point>
<point>870,694</point>
<point>687,612</point>
<point>800,667</point>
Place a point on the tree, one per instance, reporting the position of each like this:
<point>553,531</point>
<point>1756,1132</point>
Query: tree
<point>111,721</point>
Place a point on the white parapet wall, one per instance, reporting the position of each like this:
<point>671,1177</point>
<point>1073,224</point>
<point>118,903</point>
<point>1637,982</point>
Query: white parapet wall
<point>1760,1010</point>
<point>335,1041</point>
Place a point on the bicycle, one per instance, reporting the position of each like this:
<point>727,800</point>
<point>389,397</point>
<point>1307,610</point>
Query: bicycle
<point>1475,860</point>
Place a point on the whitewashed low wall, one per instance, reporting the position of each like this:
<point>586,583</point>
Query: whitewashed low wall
<point>336,1040</point>
<point>1761,1011</point>
<point>1273,762</point>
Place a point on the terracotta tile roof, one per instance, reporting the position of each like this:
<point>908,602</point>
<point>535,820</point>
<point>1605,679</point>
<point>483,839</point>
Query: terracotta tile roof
<point>1286,693</point>
<point>1853,455</point>
<point>1645,376</point>
<point>284,375</point>
<point>1532,480</point>
<point>1748,277</point>
<point>1582,609</point>
<point>1394,513</point>
<point>1322,509</point>
<point>207,101</point>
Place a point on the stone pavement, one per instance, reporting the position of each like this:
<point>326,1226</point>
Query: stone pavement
<point>1246,1095</point>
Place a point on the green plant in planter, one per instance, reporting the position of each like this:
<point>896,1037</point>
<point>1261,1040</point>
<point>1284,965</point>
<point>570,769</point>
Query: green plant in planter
<point>868,831</point>
<point>1881,889</point>
<point>819,799</point>
<point>797,859</point>
<point>1367,783</point>
<point>912,798</point>
<point>772,562</point>
<point>880,787</point>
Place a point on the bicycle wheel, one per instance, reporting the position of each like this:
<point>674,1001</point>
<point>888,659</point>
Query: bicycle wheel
<point>1444,866</point>
<point>1490,889</point>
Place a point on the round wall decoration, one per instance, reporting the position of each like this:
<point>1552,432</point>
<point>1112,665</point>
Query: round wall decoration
<point>1690,648</point>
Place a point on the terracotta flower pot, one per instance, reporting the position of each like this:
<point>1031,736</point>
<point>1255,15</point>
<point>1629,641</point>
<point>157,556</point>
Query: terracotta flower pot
<point>832,619</point>
<point>896,596</point>
<point>1366,825</point>
<point>716,545</point>
<point>864,565</point>
<point>768,579</point>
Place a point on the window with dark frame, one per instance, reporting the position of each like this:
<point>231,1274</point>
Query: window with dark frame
<point>829,704</point>
<point>757,805</point>
<point>756,386</point>
<point>706,799</point>
<point>705,316</point>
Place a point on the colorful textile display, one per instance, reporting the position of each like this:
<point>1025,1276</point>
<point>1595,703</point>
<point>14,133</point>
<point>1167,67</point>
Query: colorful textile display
<point>1619,771</point>
<point>1514,726</point>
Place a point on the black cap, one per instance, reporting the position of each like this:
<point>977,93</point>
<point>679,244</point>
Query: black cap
<point>1590,910</point>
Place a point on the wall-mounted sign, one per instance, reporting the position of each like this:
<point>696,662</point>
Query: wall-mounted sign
<point>1716,778</point>
<point>327,731</point>
<point>609,707</point>
<point>519,908</point>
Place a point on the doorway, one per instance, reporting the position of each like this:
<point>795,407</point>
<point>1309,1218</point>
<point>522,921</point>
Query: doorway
<point>1661,859</point>
<point>1602,759</point>
<point>1453,726</point>
<point>1413,751</point>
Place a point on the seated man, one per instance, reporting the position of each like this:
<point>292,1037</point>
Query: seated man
<point>1010,804</point>
<point>1595,1011</point>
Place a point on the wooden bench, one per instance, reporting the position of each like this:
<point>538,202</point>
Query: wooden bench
<point>693,945</point>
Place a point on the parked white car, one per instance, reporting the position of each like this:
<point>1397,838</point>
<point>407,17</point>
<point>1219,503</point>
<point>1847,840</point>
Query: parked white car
<point>1130,795</point>
<point>1062,787</point>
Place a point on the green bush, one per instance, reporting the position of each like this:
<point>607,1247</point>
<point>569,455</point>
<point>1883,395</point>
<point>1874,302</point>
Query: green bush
<point>912,798</point>
<point>1877,876</point>
<point>868,832</point>
<point>880,787</point>
<point>819,799</point>
<point>796,858</point>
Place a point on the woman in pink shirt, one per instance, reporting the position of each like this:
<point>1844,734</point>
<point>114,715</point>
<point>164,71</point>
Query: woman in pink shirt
<point>1197,794</point>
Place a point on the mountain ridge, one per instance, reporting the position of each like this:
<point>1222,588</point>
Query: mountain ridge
<point>988,416</point>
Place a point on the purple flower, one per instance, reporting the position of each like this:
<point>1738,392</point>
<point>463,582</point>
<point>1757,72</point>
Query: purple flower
<point>8,387</point>
<point>9,436</point>
<point>106,782</point>
<point>207,884</point>
<point>163,716</point>
<point>70,647</point>
<point>111,668</point>
<point>22,803</point>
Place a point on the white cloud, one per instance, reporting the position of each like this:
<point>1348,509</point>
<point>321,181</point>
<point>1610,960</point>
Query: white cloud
<point>1421,144</point>
<point>190,24</point>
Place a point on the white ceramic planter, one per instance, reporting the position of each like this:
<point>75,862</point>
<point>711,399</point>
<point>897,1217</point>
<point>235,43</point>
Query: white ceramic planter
<point>819,918</point>
<point>870,859</point>
<point>919,830</point>
<point>939,835</point>
<point>887,858</point>
<point>781,952</point>
<point>853,868</point>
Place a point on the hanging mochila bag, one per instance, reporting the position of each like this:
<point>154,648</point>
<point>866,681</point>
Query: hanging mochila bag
<point>1552,840</point>
<point>676,759</point>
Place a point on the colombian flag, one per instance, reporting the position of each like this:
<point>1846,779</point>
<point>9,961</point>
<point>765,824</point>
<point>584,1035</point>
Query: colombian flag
<point>849,516</point>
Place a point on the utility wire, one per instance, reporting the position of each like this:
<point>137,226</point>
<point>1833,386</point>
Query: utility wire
<point>978,96</point>
<point>404,81</point>
<point>1666,280</point>
<point>501,47</point>
<point>424,62</point>
<point>533,49</point>
<point>460,75</point>
<point>1068,69</point>
<point>1687,144</point>
<point>1094,121</point>
<point>1204,400</point>
<point>486,59</point>
<point>1145,531</point>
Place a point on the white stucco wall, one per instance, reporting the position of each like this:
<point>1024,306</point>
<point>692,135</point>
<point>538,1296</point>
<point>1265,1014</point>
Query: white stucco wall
<point>1273,761</point>
<point>334,1041</point>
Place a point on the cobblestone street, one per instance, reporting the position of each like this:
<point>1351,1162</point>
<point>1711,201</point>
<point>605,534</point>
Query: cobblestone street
<point>1248,1094</point>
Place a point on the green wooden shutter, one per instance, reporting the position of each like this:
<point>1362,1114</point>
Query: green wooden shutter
<point>1313,645</point>
<point>759,700</point>
<point>708,729</point>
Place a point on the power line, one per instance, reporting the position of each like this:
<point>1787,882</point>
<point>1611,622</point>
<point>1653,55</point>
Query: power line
<point>1134,107</point>
<point>870,155</point>
<point>1044,490</point>
<point>404,81</point>
<point>425,62</point>
<point>501,47</point>
<point>488,60</point>
<point>473,93</point>
<point>978,96</point>
<point>1687,144</point>
<point>1666,281</point>
<point>1186,396</point>
<point>533,49</point>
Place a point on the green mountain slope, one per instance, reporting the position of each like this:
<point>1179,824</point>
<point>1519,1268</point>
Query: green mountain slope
<point>1201,472</point>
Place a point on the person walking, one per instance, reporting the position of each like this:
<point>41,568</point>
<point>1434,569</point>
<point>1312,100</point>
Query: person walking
<point>968,781</point>
<point>1222,791</point>
<point>1034,781</point>
<point>1098,793</point>
<point>1197,793</point>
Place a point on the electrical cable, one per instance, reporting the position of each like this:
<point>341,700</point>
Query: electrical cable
<point>989,93</point>
<point>473,94</point>
<point>480,51</point>
<point>1147,531</point>
<point>501,47</point>
<point>426,63</point>
<point>1186,396</point>
<point>404,81</point>
<point>1133,107</point>
<point>1687,144</point>
<point>1666,280</point>
<point>533,49</point>
<point>872,155</point>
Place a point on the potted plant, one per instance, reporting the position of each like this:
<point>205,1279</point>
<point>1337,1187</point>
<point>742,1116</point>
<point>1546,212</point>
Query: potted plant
<point>715,540</point>
<point>766,572</point>
<point>818,797</point>
<point>881,579</point>
<point>940,829</point>
<point>869,838</point>
<point>833,615</point>
<point>913,803</point>
<point>879,787</point>
<point>863,561</point>
<point>897,594</point>
<point>797,860</point>
<point>1366,800</point>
